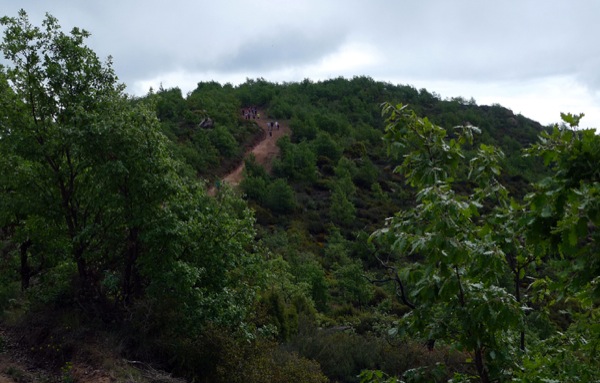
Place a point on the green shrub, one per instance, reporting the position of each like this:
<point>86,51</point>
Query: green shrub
<point>280,109</point>
<point>218,356</point>
<point>324,145</point>
<point>342,210</point>
<point>223,141</point>
<point>280,197</point>
<point>9,289</point>
<point>367,174</point>
<point>343,354</point>
<point>303,130</point>
<point>255,188</point>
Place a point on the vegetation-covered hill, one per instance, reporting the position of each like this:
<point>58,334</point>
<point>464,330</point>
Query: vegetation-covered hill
<point>487,270</point>
<point>337,135</point>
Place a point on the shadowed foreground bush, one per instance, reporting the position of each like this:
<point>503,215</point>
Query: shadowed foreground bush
<point>343,354</point>
<point>219,357</point>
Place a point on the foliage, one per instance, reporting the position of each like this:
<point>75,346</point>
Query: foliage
<point>101,209</point>
<point>279,197</point>
<point>325,146</point>
<point>343,353</point>
<point>562,220</point>
<point>469,243</point>
<point>456,290</point>
<point>342,210</point>
<point>353,285</point>
<point>298,162</point>
<point>96,206</point>
<point>223,141</point>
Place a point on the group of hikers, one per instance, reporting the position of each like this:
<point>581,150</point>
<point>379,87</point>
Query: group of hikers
<point>251,112</point>
<point>272,125</point>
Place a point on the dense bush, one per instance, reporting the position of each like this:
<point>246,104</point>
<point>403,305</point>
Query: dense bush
<point>343,354</point>
<point>279,197</point>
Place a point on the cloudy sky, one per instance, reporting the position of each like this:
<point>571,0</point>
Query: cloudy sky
<point>536,57</point>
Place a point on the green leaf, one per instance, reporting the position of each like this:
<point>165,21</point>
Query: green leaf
<point>546,211</point>
<point>573,238</point>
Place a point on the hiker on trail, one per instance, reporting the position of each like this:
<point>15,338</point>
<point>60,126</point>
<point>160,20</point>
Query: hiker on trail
<point>277,124</point>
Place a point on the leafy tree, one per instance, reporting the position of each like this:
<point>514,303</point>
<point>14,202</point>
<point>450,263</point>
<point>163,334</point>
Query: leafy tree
<point>89,186</point>
<point>214,100</point>
<point>325,146</point>
<point>342,211</point>
<point>366,174</point>
<point>256,92</point>
<point>255,181</point>
<point>298,162</point>
<point>255,188</point>
<point>60,94</point>
<point>280,197</point>
<point>337,248</point>
<point>456,292</point>
<point>303,129</point>
<point>170,104</point>
<point>312,273</point>
<point>353,285</point>
<point>346,168</point>
<point>562,218</point>
<point>223,141</point>
<point>280,109</point>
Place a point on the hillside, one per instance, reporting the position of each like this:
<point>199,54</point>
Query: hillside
<point>332,120</point>
<point>381,233</point>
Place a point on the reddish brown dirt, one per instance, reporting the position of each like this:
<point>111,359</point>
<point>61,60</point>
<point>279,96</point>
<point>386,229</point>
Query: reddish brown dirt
<point>17,366</point>
<point>264,152</point>
<point>91,363</point>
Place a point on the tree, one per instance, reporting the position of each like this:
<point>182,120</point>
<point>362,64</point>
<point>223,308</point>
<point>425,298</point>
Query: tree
<point>223,141</point>
<point>563,214</point>
<point>324,145</point>
<point>280,197</point>
<point>341,210</point>
<point>298,162</point>
<point>60,95</point>
<point>473,246</point>
<point>353,285</point>
<point>88,166</point>
<point>456,291</point>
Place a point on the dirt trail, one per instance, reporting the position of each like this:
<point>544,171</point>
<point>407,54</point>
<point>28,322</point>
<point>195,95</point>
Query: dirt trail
<point>264,152</point>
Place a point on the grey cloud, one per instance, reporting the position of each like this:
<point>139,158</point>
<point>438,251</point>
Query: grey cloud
<point>279,50</point>
<point>436,39</point>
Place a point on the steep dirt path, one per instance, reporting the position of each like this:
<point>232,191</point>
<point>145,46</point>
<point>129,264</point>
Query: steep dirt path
<point>264,152</point>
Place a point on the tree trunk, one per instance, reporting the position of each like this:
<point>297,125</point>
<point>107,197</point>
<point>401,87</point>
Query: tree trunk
<point>82,270</point>
<point>518,298</point>
<point>130,272</point>
<point>480,364</point>
<point>25,268</point>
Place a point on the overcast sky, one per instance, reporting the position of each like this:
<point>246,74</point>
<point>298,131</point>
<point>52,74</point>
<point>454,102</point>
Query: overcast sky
<point>536,57</point>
